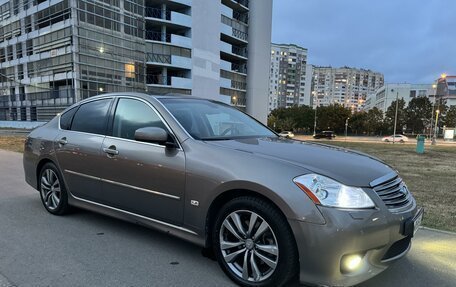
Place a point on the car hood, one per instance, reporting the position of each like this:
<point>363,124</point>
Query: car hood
<point>346,166</point>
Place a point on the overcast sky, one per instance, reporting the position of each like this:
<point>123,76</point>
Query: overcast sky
<point>410,41</point>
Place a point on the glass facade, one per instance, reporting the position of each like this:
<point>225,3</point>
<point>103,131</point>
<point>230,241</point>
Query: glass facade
<point>54,55</point>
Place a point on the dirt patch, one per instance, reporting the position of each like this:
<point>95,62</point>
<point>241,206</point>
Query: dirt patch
<point>12,143</point>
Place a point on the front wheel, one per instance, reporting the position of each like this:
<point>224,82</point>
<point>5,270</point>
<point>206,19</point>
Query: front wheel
<point>254,244</point>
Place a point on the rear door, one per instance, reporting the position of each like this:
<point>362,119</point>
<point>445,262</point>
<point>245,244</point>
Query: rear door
<point>78,146</point>
<point>143,178</point>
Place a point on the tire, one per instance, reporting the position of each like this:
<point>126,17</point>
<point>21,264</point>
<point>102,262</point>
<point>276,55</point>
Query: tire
<point>401,141</point>
<point>387,140</point>
<point>275,243</point>
<point>52,190</point>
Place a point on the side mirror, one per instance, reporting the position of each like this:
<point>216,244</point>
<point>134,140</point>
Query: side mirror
<point>155,135</point>
<point>151,134</point>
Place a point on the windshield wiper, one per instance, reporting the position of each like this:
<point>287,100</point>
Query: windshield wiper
<point>216,139</point>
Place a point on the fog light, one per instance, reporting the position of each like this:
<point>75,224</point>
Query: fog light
<point>351,262</point>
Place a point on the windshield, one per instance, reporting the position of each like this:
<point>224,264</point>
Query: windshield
<point>207,120</point>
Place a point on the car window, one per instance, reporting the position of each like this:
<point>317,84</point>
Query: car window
<point>66,118</point>
<point>207,120</point>
<point>131,115</point>
<point>91,117</point>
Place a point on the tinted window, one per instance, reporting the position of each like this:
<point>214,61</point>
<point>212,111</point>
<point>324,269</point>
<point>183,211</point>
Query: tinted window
<point>132,115</point>
<point>65,119</point>
<point>208,120</point>
<point>91,117</point>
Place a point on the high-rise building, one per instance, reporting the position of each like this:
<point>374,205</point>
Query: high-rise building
<point>289,77</point>
<point>55,53</point>
<point>387,94</point>
<point>345,86</point>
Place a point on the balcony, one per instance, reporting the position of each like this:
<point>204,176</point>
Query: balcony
<point>169,61</point>
<point>172,39</point>
<point>231,34</point>
<point>232,84</point>
<point>182,2</point>
<point>233,67</point>
<point>233,52</point>
<point>238,5</point>
<point>169,81</point>
<point>167,17</point>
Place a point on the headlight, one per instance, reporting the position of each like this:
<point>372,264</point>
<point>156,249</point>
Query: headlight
<point>328,192</point>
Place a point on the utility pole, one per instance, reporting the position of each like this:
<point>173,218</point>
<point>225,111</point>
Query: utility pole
<point>395,117</point>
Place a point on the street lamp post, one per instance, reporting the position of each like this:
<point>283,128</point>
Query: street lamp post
<point>395,117</point>
<point>435,128</point>
<point>315,117</point>
<point>434,87</point>
<point>346,128</point>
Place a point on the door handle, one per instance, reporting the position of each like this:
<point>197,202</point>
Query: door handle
<point>111,150</point>
<point>63,141</point>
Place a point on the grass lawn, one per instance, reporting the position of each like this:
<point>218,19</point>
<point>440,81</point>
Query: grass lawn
<point>431,176</point>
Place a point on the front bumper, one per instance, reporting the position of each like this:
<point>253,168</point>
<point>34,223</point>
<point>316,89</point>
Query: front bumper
<point>377,235</point>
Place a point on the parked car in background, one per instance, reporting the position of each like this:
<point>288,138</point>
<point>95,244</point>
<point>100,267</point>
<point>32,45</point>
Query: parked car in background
<point>325,135</point>
<point>287,134</point>
<point>271,209</point>
<point>396,138</point>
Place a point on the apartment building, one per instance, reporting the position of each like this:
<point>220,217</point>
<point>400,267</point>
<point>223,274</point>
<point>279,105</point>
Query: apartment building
<point>387,94</point>
<point>56,52</point>
<point>446,89</point>
<point>345,86</point>
<point>289,77</point>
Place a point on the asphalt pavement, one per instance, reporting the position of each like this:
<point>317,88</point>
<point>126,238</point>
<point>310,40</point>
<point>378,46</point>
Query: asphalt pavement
<point>87,249</point>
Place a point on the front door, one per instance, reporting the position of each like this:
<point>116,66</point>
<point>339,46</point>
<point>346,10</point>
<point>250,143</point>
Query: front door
<point>143,178</point>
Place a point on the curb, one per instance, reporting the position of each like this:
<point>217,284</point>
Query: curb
<point>438,230</point>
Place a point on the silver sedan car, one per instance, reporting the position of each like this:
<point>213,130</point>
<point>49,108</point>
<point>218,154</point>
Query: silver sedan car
<point>269,209</point>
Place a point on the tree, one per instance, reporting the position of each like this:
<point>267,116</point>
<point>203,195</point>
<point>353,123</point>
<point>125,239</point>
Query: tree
<point>300,118</point>
<point>358,123</point>
<point>332,117</point>
<point>272,121</point>
<point>418,114</point>
<point>401,116</point>
<point>374,121</point>
<point>286,124</point>
<point>450,119</point>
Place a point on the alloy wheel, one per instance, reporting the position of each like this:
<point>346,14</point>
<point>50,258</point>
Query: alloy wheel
<point>50,189</point>
<point>249,246</point>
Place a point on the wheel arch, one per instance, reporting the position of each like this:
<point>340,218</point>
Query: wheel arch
<point>223,198</point>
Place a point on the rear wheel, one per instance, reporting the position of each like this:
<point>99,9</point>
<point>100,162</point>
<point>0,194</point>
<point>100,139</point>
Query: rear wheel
<point>387,140</point>
<point>254,244</point>
<point>52,190</point>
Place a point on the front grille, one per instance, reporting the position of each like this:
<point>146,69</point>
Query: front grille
<point>393,192</point>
